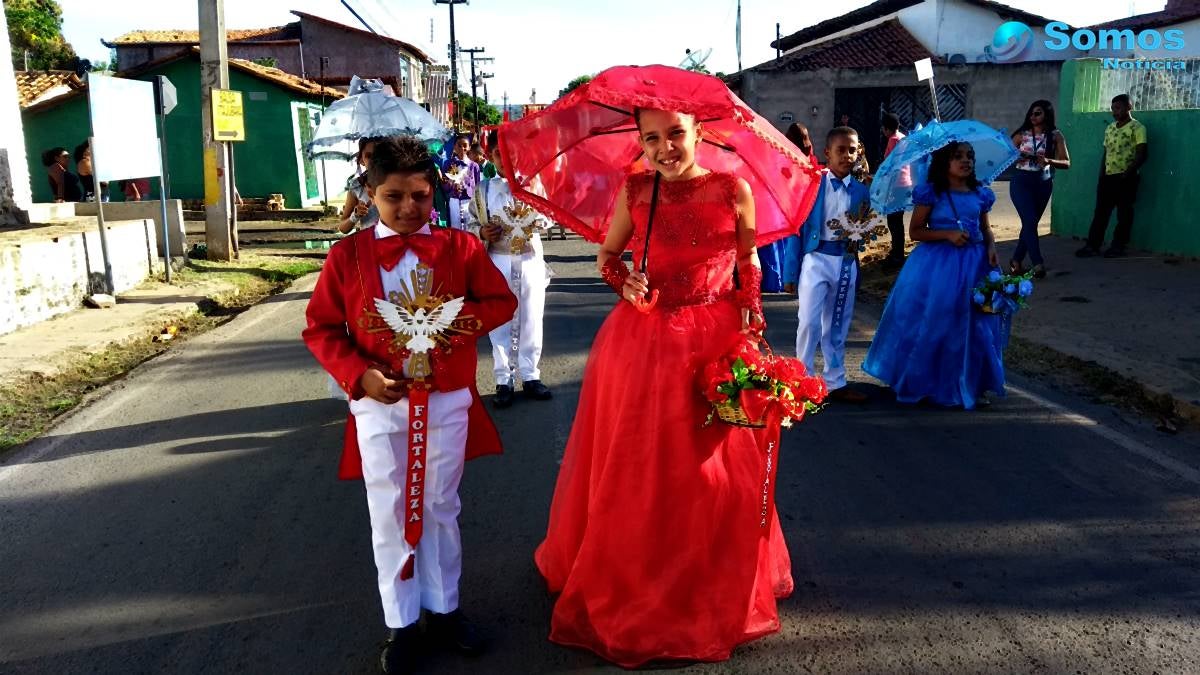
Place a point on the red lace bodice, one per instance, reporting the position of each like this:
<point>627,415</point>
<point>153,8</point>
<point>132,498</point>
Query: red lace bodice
<point>693,242</point>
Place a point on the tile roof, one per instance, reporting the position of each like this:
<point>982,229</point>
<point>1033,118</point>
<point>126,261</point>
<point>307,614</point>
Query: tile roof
<point>192,37</point>
<point>285,79</point>
<point>274,75</point>
<point>880,46</point>
<point>33,84</point>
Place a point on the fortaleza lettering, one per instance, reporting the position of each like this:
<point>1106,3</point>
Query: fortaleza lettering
<point>1142,64</point>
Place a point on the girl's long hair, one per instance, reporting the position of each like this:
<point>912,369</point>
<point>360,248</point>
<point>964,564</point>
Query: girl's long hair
<point>1048,123</point>
<point>939,168</point>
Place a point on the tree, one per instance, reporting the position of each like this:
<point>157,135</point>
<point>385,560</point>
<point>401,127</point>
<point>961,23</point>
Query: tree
<point>574,84</point>
<point>467,105</point>
<point>36,26</point>
<point>698,68</point>
<point>268,61</point>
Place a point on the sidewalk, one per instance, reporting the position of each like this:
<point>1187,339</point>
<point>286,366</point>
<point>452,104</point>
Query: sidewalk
<point>41,348</point>
<point>1138,316</point>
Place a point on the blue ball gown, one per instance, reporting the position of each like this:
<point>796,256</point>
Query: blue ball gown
<point>933,343</point>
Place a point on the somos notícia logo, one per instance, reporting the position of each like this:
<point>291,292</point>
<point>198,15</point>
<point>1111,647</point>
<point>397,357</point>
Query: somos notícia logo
<point>1012,42</point>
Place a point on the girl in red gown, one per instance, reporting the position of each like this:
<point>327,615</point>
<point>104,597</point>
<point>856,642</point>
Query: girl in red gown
<point>657,542</point>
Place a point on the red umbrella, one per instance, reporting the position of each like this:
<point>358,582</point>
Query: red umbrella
<point>583,146</point>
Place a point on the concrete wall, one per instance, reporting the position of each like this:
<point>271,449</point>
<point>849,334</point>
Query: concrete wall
<point>45,272</point>
<point>143,211</point>
<point>997,95</point>
<point>351,54</point>
<point>1164,214</point>
<point>287,56</point>
<point>1191,39</point>
<point>947,27</point>
<point>954,27</point>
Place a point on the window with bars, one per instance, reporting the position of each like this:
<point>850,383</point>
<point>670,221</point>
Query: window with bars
<point>1149,89</point>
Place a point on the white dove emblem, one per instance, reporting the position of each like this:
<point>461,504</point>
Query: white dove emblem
<point>420,326</point>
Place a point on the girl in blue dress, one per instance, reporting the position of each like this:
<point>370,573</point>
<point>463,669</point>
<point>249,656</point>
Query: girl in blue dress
<point>932,342</point>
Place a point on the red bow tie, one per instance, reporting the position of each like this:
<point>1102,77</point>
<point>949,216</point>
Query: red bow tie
<point>389,250</point>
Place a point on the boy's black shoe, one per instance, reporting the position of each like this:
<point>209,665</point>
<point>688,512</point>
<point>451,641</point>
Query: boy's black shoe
<point>453,631</point>
<point>537,391</point>
<point>1115,252</point>
<point>504,396</point>
<point>1087,252</point>
<point>399,654</point>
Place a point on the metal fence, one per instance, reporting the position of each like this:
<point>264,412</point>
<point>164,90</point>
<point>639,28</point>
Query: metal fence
<point>1165,89</point>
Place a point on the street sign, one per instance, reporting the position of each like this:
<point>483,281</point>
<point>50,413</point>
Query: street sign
<point>165,99</point>
<point>924,69</point>
<point>228,123</point>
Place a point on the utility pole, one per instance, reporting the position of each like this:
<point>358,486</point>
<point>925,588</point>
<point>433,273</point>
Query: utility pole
<point>475,82</point>
<point>453,57</point>
<point>504,110</point>
<point>219,231</point>
<point>778,39</point>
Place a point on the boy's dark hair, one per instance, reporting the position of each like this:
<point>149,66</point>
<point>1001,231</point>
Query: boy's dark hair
<point>1123,98</point>
<point>51,156</point>
<point>475,147</point>
<point>939,168</point>
<point>890,122</point>
<point>400,154</point>
<point>462,135</point>
<point>839,131</point>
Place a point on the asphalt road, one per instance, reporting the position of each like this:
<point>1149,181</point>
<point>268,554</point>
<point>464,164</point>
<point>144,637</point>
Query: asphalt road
<point>189,521</point>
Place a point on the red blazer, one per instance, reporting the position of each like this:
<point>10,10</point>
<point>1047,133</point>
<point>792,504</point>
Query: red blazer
<point>345,296</point>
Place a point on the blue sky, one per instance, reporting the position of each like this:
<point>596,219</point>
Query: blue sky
<point>539,44</point>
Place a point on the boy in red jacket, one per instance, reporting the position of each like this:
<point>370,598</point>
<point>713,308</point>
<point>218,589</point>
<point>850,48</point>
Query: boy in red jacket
<point>394,318</point>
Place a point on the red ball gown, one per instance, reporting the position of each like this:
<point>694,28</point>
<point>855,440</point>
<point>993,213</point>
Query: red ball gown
<point>657,541</point>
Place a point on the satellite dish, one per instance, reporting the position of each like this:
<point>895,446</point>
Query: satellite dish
<point>694,60</point>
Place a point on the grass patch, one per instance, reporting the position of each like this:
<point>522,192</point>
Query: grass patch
<point>31,401</point>
<point>1087,379</point>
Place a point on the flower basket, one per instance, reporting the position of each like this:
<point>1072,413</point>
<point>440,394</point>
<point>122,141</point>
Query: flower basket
<point>749,386</point>
<point>731,413</point>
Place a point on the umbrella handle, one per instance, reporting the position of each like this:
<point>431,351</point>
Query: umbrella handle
<point>646,305</point>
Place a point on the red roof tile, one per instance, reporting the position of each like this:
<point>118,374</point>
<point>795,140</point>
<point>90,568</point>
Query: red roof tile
<point>32,84</point>
<point>880,46</point>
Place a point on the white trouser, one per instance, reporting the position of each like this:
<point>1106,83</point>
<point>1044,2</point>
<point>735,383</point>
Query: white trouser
<point>530,289</point>
<point>458,213</point>
<point>818,287</point>
<point>383,443</point>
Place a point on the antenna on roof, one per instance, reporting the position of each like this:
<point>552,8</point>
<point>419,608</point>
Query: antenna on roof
<point>360,19</point>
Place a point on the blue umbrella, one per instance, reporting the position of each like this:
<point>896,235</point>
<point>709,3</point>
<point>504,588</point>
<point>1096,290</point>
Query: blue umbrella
<point>908,164</point>
<point>367,112</point>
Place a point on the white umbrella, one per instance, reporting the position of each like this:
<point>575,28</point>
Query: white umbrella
<point>367,112</point>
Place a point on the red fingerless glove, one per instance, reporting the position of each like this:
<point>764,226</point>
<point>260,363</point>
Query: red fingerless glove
<point>749,296</point>
<point>615,272</point>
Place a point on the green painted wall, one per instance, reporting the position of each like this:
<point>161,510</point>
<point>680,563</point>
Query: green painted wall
<point>65,125</point>
<point>265,162</point>
<point>1164,214</point>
